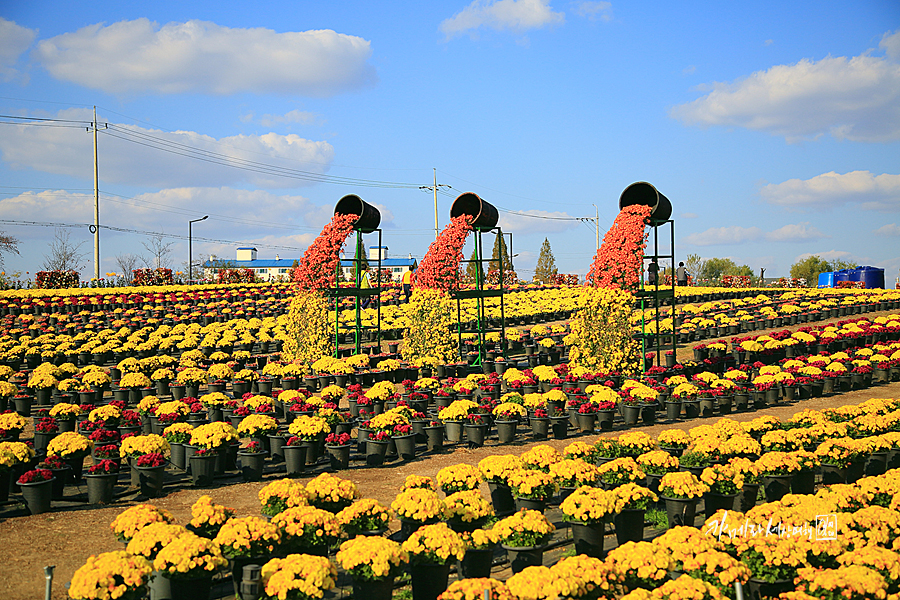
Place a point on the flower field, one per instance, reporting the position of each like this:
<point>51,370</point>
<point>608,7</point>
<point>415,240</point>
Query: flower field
<point>180,398</point>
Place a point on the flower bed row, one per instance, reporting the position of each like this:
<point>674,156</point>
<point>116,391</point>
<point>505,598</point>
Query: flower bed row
<point>852,559</point>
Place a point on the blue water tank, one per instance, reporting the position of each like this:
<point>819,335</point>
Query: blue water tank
<point>844,275</point>
<point>872,276</point>
<point>826,280</point>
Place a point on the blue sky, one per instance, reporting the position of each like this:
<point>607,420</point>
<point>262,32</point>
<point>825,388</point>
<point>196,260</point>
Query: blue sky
<point>773,127</point>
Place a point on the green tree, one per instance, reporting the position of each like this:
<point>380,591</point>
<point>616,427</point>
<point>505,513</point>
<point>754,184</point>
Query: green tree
<point>500,250</point>
<point>694,265</point>
<point>546,264</point>
<point>363,263</point>
<point>472,267</point>
<point>8,244</point>
<point>716,268</point>
<point>838,264</point>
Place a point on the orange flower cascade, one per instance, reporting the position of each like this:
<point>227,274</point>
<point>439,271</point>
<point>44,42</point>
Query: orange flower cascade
<point>618,262</point>
<point>439,269</point>
<point>316,269</point>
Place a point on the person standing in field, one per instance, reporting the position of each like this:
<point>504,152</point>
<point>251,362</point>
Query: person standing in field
<point>681,274</point>
<point>407,283</point>
<point>652,272</point>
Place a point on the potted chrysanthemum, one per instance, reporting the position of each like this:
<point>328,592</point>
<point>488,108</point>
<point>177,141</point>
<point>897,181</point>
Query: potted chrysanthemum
<point>524,535</point>
<point>431,550</point>
<point>310,576</point>
<point>307,530</point>
<point>373,562</point>
<point>416,507</point>
<point>681,491</point>
<point>587,509</point>
<point>128,573</point>
<point>247,540</point>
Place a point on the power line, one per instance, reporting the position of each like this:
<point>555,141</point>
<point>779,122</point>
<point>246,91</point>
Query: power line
<point>158,143</point>
<point>81,122</point>
<point>186,150</point>
<point>524,214</point>
<point>143,232</point>
<point>515,195</point>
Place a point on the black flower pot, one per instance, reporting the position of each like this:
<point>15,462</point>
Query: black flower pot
<point>252,464</point>
<point>295,460</point>
<point>506,431</point>
<point>520,558</point>
<point>203,469</point>
<point>37,496</point>
<point>429,581</point>
<point>588,538</point>
<point>540,426</point>
<point>629,526</point>
<point>476,563</point>
<point>375,452</point>
<point>559,427</point>
<point>101,487</point>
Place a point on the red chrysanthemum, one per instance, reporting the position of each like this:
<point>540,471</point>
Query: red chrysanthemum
<point>316,269</point>
<point>439,269</point>
<point>618,262</point>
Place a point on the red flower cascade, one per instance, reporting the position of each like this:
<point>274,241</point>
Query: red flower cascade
<point>439,269</point>
<point>317,267</point>
<point>618,262</point>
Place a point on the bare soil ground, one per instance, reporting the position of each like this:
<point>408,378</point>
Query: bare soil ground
<point>67,536</point>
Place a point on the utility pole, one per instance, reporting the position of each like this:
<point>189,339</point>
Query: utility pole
<point>597,224</point>
<point>96,203</point>
<point>434,188</point>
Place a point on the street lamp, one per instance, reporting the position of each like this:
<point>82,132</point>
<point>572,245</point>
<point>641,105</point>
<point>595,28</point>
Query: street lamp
<point>190,253</point>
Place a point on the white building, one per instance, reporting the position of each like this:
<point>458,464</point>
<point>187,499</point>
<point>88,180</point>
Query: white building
<point>279,269</point>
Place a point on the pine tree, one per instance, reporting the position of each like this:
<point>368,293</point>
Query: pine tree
<point>472,267</point>
<point>546,264</point>
<point>500,250</point>
<point>363,263</point>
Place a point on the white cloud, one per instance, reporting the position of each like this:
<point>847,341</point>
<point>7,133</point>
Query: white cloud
<point>387,216</point>
<point>595,10</point>
<point>795,233</point>
<point>295,116</point>
<point>871,192</point>
<point>890,43</point>
<point>688,215</point>
<point>720,236</point>
<point>518,223</point>
<point>856,99</point>
<point>724,235</point>
<point>514,15</point>
<point>256,216</point>
<point>889,230</point>
<point>68,151</point>
<point>829,255</point>
<point>14,40</point>
<point>139,56</point>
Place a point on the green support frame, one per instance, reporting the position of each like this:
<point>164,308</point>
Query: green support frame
<point>356,292</point>
<point>481,292</point>
<point>654,296</point>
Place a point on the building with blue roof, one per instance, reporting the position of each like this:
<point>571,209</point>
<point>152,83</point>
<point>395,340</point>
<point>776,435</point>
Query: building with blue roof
<point>279,269</point>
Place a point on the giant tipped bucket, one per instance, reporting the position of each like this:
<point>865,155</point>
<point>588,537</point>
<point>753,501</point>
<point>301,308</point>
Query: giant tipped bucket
<point>367,216</point>
<point>484,214</point>
<point>643,193</point>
